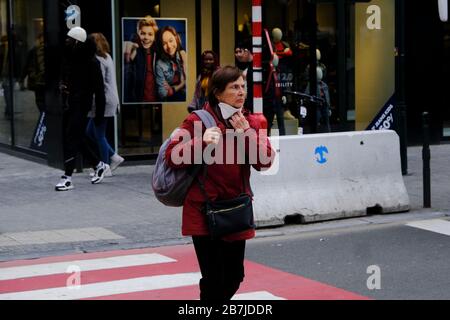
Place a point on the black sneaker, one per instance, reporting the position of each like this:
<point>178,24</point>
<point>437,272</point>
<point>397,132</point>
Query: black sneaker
<point>64,184</point>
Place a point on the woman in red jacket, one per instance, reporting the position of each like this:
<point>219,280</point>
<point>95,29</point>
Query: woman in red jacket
<point>221,260</point>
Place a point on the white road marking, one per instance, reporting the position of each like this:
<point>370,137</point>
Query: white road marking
<point>434,225</point>
<point>108,288</point>
<point>20,272</point>
<point>258,295</point>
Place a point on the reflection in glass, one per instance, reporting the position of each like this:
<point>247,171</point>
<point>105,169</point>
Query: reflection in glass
<point>29,92</point>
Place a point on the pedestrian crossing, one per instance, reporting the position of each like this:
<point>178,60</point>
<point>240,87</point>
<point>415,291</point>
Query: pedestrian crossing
<point>165,273</point>
<point>434,225</point>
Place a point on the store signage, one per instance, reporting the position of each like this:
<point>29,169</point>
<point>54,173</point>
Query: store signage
<point>73,16</point>
<point>374,19</point>
<point>385,119</point>
<point>443,10</point>
<point>38,142</point>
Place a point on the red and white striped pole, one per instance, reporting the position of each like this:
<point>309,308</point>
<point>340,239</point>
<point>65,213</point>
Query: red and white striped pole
<point>257,62</point>
<point>257,56</point>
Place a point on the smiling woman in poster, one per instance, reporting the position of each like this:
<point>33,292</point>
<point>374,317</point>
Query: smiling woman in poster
<point>170,66</point>
<point>139,62</point>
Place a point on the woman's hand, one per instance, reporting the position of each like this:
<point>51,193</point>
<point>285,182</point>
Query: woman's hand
<point>239,122</point>
<point>212,135</point>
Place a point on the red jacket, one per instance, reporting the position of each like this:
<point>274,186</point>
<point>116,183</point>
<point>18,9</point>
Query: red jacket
<point>224,181</point>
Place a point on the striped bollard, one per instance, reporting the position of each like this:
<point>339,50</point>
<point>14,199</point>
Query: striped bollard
<point>257,61</point>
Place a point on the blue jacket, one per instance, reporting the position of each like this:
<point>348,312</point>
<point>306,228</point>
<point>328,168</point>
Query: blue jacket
<point>165,73</point>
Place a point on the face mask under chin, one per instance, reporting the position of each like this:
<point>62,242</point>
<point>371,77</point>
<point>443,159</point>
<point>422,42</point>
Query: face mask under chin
<point>227,111</point>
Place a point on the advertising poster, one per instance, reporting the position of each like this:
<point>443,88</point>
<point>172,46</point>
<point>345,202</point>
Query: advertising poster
<point>154,60</point>
<point>385,119</point>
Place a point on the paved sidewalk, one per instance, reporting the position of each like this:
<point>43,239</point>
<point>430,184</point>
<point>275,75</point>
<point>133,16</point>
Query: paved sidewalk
<point>122,211</point>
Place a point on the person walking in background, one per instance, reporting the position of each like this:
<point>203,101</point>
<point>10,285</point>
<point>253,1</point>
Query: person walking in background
<point>209,64</point>
<point>97,132</point>
<point>244,61</point>
<point>35,71</point>
<point>13,71</point>
<point>81,81</point>
<point>221,260</point>
<point>139,63</point>
<point>170,72</point>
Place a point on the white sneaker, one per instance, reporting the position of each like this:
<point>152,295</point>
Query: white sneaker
<point>108,173</point>
<point>64,184</point>
<point>100,172</point>
<point>116,160</point>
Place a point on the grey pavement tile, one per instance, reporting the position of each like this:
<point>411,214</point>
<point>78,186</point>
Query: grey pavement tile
<point>7,241</point>
<point>57,236</point>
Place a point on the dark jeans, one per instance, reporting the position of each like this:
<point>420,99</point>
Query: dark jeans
<point>98,135</point>
<point>222,267</point>
<point>323,119</point>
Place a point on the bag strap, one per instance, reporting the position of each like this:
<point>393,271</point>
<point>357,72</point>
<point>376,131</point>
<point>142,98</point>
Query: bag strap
<point>209,122</point>
<point>206,117</point>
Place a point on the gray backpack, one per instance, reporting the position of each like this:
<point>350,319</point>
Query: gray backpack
<point>171,185</point>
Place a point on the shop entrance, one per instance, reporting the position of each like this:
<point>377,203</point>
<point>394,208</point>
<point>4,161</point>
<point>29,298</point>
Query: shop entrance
<point>306,37</point>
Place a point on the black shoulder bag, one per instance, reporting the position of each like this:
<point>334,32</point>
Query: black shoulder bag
<point>226,217</point>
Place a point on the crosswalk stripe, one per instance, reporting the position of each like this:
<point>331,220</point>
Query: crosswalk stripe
<point>107,288</point>
<point>258,295</point>
<point>21,272</point>
<point>435,225</point>
<point>168,273</point>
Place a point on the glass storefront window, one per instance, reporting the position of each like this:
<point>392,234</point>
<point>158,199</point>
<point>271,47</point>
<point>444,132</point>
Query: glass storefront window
<point>446,75</point>
<point>304,27</point>
<point>22,90</point>
<point>29,90</point>
<point>5,98</point>
<point>139,125</point>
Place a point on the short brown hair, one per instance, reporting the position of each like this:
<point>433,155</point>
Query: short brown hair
<point>219,81</point>
<point>101,43</point>
<point>147,21</point>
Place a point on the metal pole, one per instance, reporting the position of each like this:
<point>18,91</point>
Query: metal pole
<point>426,161</point>
<point>401,83</point>
<point>312,12</point>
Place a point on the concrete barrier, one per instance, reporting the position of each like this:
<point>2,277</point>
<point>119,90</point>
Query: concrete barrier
<point>330,176</point>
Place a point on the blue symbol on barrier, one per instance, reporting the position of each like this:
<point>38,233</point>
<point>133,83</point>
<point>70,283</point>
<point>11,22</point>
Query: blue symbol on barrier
<point>320,151</point>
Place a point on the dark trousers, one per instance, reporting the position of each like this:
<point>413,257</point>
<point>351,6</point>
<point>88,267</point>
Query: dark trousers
<point>76,140</point>
<point>275,107</point>
<point>39,96</point>
<point>222,267</point>
<point>8,97</point>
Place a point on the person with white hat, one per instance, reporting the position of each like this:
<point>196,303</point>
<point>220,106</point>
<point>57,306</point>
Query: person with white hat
<point>78,34</point>
<point>81,86</point>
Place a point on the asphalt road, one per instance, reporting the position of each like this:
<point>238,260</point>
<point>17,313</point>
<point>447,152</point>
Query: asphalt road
<point>411,263</point>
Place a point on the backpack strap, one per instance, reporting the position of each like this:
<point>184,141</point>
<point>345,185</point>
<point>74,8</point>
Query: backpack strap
<point>206,117</point>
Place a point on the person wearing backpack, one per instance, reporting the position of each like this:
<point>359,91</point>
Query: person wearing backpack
<point>221,259</point>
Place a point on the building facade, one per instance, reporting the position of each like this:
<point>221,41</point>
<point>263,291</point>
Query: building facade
<point>358,56</point>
